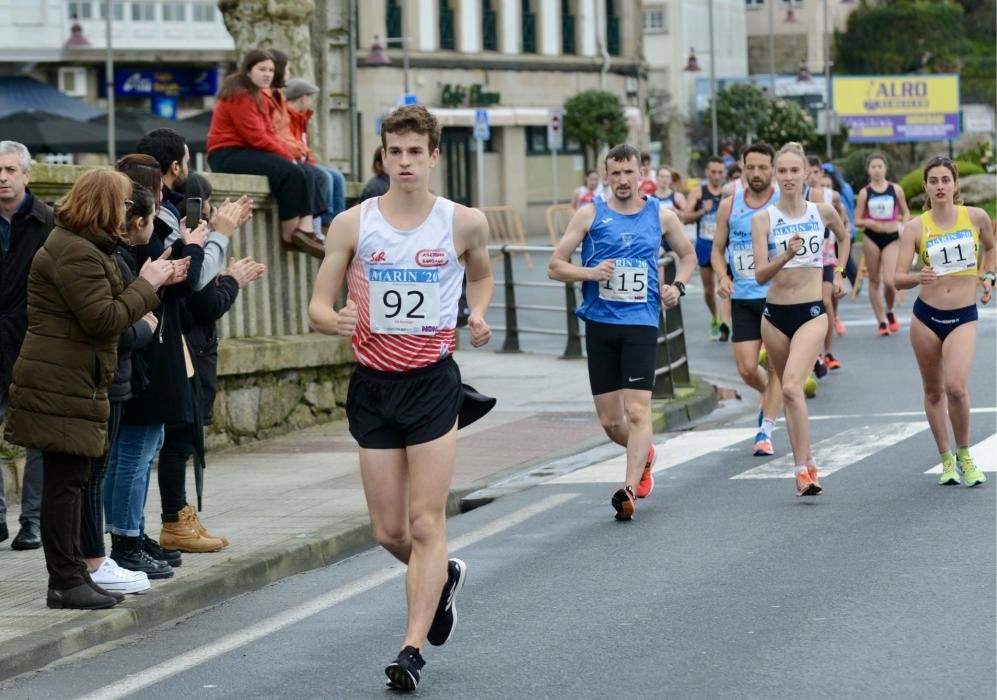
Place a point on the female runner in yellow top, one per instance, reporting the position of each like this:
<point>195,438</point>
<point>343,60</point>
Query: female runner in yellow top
<point>947,238</point>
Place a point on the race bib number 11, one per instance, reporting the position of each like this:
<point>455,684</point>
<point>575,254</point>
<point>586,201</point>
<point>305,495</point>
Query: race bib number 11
<point>628,283</point>
<point>953,252</point>
<point>404,301</point>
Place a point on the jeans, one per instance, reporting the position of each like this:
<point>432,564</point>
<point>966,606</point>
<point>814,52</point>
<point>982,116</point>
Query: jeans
<point>31,487</point>
<point>337,194</point>
<point>126,484</point>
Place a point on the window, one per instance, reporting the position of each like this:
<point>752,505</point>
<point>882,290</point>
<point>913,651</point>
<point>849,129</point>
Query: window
<point>529,19</point>
<point>117,11</point>
<point>393,21</point>
<point>612,29</point>
<point>447,40</point>
<point>174,12</point>
<point>143,12</point>
<point>73,81</point>
<point>793,3</point>
<point>536,142</point>
<point>80,10</point>
<point>753,3</point>
<point>655,20</point>
<point>489,26</point>
<point>567,28</point>
<point>203,12</point>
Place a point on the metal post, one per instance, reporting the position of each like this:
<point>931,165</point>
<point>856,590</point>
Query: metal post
<point>356,169</point>
<point>553,172</point>
<point>404,40</point>
<point>573,348</point>
<point>112,153</point>
<point>770,3</point>
<point>511,343</point>
<point>713,86</point>
<point>827,80</point>
<point>480,158</point>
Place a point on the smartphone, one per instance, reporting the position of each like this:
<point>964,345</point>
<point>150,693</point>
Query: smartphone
<point>193,212</point>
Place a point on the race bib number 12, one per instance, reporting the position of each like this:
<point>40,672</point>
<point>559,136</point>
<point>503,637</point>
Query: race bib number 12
<point>628,283</point>
<point>404,301</point>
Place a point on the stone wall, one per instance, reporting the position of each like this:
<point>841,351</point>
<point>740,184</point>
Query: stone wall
<point>790,53</point>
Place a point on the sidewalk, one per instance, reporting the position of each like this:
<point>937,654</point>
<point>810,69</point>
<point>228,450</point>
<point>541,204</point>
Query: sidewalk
<point>295,503</point>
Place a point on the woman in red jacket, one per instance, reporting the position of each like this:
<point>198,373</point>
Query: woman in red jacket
<point>242,140</point>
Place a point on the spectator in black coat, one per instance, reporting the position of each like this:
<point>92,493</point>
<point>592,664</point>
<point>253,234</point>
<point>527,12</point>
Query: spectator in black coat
<point>377,185</point>
<point>25,222</point>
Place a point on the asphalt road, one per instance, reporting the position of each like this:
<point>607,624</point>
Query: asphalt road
<point>724,586</point>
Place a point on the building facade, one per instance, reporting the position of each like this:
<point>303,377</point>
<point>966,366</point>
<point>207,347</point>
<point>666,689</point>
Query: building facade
<point>514,59</point>
<point>791,34</point>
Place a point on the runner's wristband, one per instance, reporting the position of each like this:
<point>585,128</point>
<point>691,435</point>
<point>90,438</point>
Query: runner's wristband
<point>840,270</point>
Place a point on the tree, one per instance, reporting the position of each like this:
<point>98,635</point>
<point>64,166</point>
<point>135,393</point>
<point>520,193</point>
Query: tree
<point>742,111</point>
<point>787,121</point>
<point>595,118</point>
<point>904,36</point>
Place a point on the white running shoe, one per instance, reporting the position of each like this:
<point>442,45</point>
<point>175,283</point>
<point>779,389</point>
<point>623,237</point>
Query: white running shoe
<point>114,579</point>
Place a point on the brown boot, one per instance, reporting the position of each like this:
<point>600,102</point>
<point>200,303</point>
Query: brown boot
<point>190,514</point>
<point>182,535</point>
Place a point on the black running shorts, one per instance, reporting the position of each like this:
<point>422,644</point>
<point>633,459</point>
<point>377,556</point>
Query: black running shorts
<point>620,357</point>
<point>746,319</point>
<point>392,410</point>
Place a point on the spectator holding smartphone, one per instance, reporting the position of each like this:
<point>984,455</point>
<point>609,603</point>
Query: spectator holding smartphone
<point>242,139</point>
<point>78,308</point>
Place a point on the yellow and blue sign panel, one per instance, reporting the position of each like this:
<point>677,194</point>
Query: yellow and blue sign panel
<point>898,108</point>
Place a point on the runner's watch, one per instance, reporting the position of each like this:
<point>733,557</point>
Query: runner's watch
<point>679,286</point>
<point>992,276</point>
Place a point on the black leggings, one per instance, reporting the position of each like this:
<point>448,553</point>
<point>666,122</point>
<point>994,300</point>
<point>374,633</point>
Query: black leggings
<point>288,181</point>
<point>92,508</point>
<point>178,446</point>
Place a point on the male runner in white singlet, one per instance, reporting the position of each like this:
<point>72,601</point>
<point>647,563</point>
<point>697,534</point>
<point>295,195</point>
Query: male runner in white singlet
<point>405,255</point>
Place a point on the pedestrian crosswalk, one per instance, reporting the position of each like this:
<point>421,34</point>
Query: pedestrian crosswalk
<point>840,450</point>
<point>984,454</point>
<point>832,453</point>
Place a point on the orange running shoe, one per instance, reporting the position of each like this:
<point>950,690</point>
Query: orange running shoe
<point>893,321</point>
<point>625,503</point>
<point>883,329</point>
<point>839,325</point>
<point>831,362</point>
<point>763,445</point>
<point>646,485</point>
<point>812,473</point>
<point>805,486</point>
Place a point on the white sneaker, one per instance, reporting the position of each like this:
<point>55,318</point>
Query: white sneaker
<point>114,579</point>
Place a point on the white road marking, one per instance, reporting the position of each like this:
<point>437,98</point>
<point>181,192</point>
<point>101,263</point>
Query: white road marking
<point>839,450</point>
<point>984,454</point>
<point>681,448</point>
<point>895,414</point>
<point>195,657</point>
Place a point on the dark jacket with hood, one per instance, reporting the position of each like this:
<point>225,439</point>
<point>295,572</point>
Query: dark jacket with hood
<point>78,308</point>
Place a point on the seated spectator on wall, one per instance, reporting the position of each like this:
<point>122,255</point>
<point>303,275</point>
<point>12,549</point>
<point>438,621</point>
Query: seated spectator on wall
<point>377,185</point>
<point>299,94</point>
<point>242,139</point>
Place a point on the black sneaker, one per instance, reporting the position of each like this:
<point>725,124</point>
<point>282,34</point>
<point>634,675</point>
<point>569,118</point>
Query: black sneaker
<point>173,557</point>
<point>403,672</point>
<point>724,332</point>
<point>128,553</point>
<point>445,619</point>
<point>820,369</point>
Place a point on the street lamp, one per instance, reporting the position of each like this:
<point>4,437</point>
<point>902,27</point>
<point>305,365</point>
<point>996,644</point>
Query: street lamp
<point>790,18</point>
<point>78,41</point>
<point>378,57</point>
<point>692,66</point>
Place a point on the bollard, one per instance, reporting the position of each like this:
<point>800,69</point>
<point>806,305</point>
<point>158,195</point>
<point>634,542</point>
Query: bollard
<point>573,348</point>
<point>511,343</point>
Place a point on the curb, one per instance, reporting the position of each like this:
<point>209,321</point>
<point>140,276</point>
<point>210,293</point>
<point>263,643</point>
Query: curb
<point>253,571</point>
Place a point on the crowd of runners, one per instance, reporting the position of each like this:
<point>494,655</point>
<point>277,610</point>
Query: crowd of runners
<point>773,247</point>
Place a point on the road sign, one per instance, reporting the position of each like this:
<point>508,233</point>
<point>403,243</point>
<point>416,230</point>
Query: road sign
<point>406,99</point>
<point>555,130</point>
<point>481,130</point>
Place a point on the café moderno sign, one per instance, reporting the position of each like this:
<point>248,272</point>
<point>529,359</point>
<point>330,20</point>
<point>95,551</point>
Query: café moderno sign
<point>898,108</point>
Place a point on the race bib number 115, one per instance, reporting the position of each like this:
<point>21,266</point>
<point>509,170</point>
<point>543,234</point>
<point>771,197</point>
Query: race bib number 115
<point>628,283</point>
<point>404,301</point>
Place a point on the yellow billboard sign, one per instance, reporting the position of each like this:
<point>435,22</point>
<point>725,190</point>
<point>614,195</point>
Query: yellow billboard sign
<point>898,107</point>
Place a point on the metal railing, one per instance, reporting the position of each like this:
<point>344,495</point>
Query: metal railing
<point>671,361</point>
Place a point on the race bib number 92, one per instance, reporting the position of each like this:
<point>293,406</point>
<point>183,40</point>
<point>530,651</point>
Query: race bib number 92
<point>404,301</point>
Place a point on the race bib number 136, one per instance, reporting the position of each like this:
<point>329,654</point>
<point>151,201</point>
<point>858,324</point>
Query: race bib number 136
<point>404,301</point>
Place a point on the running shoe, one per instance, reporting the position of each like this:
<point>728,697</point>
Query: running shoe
<point>763,445</point>
<point>839,325</point>
<point>403,672</point>
<point>830,362</point>
<point>971,474</point>
<point>950,475</point>
<point>445,620</point>
<point>646,485</point>
<point>724,332</point>
<point>715,330</point>
<point>894,323</point>
<point>812,473</point>
<point>883,329</point>
<point>805,485</point>
<point>625,503</point>
<point>820,369</point>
